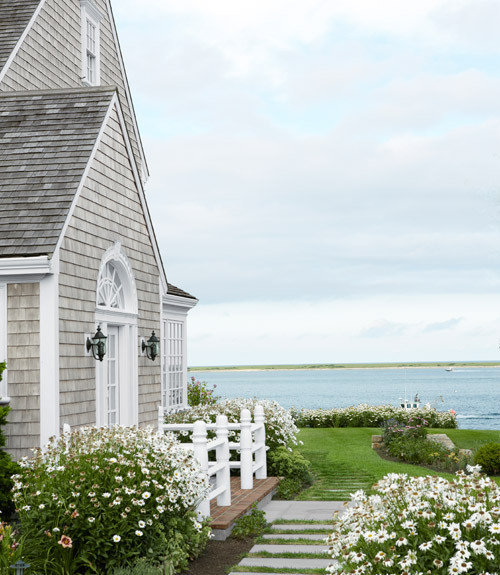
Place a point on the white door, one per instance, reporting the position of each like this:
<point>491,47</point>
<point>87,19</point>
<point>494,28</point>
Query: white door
<point>112,399</point>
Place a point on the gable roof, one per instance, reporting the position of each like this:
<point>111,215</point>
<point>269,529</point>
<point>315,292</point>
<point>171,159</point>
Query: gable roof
<point>46,139</point>
<point>174,290</point>
<point>15,15</point>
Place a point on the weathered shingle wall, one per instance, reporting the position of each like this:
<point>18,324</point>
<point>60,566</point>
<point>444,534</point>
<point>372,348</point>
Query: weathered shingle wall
<point>46,139</point>
<point>23,326</point>
<point>50,56</point>
<point>14,17</point>
<point>107,211</point>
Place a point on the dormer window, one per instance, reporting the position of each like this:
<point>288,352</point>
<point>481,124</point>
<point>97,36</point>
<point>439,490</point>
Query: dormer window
<point>91,60</point>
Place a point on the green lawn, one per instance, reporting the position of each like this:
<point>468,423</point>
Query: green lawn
<point>343,460</point>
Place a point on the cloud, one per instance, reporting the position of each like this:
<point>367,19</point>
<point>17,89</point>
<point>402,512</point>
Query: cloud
<point>442,325</point>
<point>322,151</point>
<point>384,328</point>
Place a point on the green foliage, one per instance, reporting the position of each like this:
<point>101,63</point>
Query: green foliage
<point>250,525</point>
<point>415,427</point>
<point>371,416</point>
<point>10,550</point>
<point>199,393</point>
<point>488,457</point>
<point>293,467</point>
<point>409,443</point>
<point>103,498</point>
<point>7,467</point>
<point>144,567</point>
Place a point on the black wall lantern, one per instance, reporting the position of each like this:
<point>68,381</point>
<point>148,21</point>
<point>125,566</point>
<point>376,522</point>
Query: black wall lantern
<point>97,344</point>
<point>152,347</point>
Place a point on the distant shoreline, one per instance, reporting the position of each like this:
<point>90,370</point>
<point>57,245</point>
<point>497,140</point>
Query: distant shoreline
<point>324,366</point>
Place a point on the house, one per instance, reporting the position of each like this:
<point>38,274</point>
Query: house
<point>77,246</point>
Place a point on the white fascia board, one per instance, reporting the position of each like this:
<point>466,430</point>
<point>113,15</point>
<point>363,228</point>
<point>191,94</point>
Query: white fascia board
<point>177,304</point>
<point>145,168</point>
<point>19,43</point>
<point>49,356</point>
<point>114,100</point>
<point>25,269</point>
<point>142,196</point>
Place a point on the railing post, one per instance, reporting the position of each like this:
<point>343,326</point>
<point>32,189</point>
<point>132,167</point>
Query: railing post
<point>161,419</point>
<point>246,450</point>
<point>260,437</point>
<point>201,454</point>
<point>222,452</point>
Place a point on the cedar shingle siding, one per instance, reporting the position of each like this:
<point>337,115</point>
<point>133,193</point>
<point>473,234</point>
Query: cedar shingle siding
<point>14,17</point>
<point>23,328</point>
<point>107,210</point>
<point>50,56</point>
<point>71,189</point>
<point>45,142</point>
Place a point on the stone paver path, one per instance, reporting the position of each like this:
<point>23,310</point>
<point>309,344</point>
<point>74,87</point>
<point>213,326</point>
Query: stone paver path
<point>312,552</point>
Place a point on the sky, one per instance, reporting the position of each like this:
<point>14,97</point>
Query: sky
<point>325,175</point>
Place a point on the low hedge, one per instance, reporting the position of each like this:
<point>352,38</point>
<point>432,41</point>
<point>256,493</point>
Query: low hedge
<point>371,416</point>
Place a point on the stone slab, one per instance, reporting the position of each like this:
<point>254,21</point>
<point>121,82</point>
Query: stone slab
<point>441,438</point>
<point>283,563</point>
<point>292,536</point>
<point>303,526</point>
<point>309,510</point>
<point>292,548</point>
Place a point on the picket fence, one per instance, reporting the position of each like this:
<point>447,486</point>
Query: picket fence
<point>251,447</point>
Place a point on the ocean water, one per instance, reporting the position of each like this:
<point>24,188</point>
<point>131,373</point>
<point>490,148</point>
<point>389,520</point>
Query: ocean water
<point>474,393</point>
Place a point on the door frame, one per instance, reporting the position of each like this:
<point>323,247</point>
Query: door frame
<point>128,392</point>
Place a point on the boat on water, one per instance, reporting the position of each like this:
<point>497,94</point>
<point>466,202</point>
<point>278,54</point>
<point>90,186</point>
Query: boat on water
<point>448,369</point>
<point>405,404</point>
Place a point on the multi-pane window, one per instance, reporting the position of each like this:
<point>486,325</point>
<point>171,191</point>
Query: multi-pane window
<point>110,288</point>
<point>173,376</point>
<point>90,43</point>
<point>91,52</point>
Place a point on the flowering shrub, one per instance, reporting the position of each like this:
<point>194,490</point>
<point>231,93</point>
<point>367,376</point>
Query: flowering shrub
<point>10,551</point>
<point>199,394</point>
<point>414,427</point>
<point>417,525</point>
<point>408,442</point>
<point>280,428</point>
<point>371,416</point>
<point>102,498</point>
<point>488,457</point>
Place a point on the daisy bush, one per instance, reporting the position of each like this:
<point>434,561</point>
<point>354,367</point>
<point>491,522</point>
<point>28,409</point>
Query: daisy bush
<point>420,525</point>
<point>280,427</point>
<point>364,415</point>
<point>102,498</point>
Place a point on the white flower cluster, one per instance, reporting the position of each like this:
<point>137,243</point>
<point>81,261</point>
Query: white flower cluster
<point>125,469</point>
<point>420,525</point>
<point>280,428</point>
<point>365,415</point>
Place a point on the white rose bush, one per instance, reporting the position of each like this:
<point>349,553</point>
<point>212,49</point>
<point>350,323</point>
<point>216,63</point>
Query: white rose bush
<point>103,498</point>
<point>280,427</point>
<point>365,415</point>
<point>420,526</point>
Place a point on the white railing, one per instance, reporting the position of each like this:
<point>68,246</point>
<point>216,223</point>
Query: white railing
<point>252,448</point>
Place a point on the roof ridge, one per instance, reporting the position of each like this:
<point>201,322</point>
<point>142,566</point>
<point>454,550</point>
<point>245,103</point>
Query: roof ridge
<point>58,91</point>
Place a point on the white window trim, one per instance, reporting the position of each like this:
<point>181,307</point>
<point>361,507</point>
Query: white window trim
<point>89,12</point>
<point>180,318</point>
<point>4,396</point>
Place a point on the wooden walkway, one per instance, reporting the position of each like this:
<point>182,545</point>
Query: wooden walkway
<point>241,502</point>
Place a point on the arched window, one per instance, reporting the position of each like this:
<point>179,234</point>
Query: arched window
<point>110,288</point>
<point>116,289</point>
